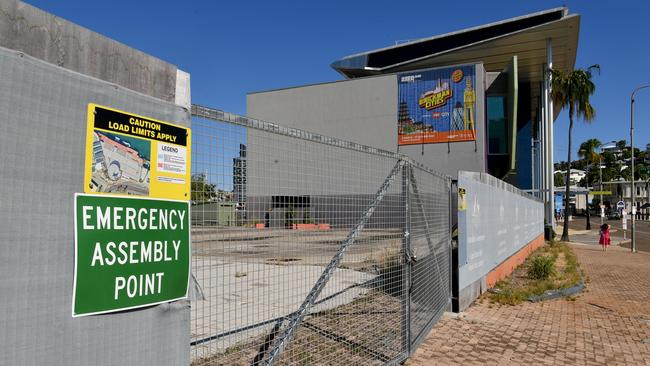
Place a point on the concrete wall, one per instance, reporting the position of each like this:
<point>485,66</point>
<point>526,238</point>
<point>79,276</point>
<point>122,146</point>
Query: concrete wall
<point>360,110</point>
<point>55,40</point>
<point>42,144</point>
<point>364,110</point>
<point>498,222</point>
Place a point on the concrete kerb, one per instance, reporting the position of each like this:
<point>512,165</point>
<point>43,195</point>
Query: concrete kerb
<point>555,294</point>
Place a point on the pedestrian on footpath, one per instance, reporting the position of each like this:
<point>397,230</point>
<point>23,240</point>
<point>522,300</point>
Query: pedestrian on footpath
<point>605,239</point>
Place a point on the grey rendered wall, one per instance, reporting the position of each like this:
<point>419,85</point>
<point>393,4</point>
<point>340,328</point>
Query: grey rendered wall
<point>360,110</point>
<point>279,165</point>
<point>55,40</point>
<point>498,222</point>
<point>42,139</point>
<point>364,110</point>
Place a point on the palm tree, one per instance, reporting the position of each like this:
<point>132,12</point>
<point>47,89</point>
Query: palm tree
<point>588,152</point>
<point>573,90</point>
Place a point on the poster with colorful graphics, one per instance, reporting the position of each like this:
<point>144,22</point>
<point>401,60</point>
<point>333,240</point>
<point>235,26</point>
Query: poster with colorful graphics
<point>437,105</point>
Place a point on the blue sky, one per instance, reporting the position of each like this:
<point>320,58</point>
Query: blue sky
<point>234,47</point>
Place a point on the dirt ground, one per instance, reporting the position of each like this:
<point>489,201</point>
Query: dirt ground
<point>366,331</point>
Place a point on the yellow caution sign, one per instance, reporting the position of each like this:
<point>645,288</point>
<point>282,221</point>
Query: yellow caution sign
<point>128,154</point>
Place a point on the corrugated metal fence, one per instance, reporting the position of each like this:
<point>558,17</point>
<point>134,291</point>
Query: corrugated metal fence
<point>337,253</point>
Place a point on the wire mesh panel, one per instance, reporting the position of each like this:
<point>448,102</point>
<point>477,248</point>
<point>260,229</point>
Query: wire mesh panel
<point>299,250</point>
<point>429,203</point>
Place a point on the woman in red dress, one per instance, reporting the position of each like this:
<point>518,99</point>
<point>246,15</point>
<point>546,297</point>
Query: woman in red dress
<point>605,239</point>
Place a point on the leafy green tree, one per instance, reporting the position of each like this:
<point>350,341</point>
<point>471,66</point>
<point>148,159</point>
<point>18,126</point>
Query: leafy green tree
<point>579,164</point>
<point>202,190</point>
<point>627,154</point>
<point>561,166</point>
<point>558,179</point>
<point>624,173</point>
<point>573,90</point>
<point>641,172</point>
<point>609,174</point>
<point>608,158</point>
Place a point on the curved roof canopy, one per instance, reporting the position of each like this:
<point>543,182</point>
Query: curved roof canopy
<point>492,44</point>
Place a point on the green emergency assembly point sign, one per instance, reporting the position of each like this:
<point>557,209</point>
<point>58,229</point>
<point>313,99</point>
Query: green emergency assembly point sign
<point>129,253</point>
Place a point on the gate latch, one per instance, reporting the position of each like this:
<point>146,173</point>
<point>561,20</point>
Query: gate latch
<point>410,256</point>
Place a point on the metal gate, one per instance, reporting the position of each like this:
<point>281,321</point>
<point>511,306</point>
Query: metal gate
<point>311,250</point>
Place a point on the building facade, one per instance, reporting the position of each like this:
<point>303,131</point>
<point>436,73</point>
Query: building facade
<point>510,110</point>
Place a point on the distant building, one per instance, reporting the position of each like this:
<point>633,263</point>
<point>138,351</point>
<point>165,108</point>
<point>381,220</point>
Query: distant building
<point>613,149</point>
<point>575,176</point>
<point>578,198</point>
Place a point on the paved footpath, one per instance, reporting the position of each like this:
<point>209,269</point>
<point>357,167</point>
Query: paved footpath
<point>608,324</point>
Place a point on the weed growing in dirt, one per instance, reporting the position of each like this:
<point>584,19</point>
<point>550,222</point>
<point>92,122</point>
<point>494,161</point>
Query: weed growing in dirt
<point>541,267</point>
<point>551,267</point>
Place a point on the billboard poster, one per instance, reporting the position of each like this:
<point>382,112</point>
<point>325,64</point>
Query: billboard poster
<point>437,105</point>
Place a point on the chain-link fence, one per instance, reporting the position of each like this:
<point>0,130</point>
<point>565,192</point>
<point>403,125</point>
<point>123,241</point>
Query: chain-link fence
<point>310,250</point>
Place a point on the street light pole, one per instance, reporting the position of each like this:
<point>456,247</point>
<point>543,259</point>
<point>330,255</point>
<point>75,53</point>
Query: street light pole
<point>633,208</point>
<point>600,178</point>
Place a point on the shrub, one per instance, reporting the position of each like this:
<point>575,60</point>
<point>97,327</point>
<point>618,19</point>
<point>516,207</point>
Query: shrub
<point>541,267</point>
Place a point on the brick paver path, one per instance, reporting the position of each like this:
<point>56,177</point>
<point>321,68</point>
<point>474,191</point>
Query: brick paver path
<point>608,324</point>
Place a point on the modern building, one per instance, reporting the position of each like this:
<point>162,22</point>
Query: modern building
<point>469,102</point>
<point>475,99</point>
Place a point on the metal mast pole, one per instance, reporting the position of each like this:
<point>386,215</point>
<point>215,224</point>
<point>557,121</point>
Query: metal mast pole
<point>549,119</point>
<point>600,178</point>
<point>542,148</point>
<point>633,193</point>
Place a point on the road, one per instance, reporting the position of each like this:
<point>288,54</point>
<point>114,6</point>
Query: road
<point>642,231</point>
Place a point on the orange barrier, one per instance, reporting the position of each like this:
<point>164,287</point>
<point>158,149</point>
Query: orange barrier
<point>310,226</point>
<point>259,226</point>
<point>508,266</point>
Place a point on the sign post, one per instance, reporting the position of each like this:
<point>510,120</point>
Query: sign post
<point>624,221</point>
<point>129,253</point>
